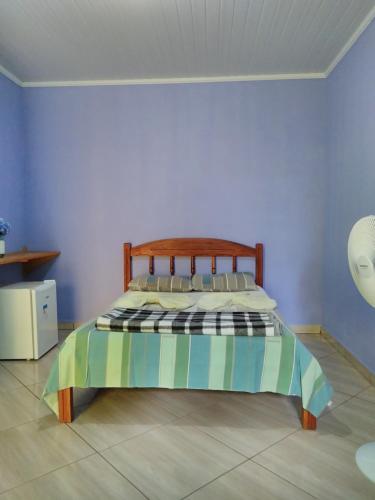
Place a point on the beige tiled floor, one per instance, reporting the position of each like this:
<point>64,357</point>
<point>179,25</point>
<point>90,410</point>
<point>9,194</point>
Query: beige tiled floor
<point>160,444</point>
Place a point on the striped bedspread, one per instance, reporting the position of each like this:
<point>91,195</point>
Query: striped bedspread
<point>282,364</point>
<point>188,323</point>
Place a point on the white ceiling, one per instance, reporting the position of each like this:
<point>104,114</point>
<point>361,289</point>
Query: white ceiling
<point>123,41</point>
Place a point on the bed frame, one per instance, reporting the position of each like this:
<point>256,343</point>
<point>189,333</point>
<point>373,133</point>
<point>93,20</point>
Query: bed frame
<point>191,248</point>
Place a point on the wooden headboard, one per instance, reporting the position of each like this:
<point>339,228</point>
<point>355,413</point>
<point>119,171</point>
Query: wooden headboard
<point>192,248</point>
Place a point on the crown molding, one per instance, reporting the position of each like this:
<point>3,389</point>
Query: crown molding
<point>349,44</point>
<point>10,76</point>
<point>162,81</point>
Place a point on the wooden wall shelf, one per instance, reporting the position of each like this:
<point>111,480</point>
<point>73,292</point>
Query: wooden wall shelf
<point>29,260</point>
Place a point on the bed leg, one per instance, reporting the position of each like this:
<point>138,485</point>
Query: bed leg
<point>65,397</point>
<point>308,420</point>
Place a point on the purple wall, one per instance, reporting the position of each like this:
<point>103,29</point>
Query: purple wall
<point>11,169</point>
<point>351,193</point>
<point>242,161</point>
<point>83,169</point>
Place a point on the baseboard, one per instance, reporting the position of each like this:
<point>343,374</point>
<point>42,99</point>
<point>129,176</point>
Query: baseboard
<point>362,369</point>
<point>66,325</point>
<point>306,328</point>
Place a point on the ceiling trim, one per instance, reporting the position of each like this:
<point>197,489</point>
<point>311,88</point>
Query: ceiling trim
<point>198,79</point>
<point>349,44</point>
<point>204,79</point>
<point>10,75</point>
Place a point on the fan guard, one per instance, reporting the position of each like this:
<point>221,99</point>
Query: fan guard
<point>361,256</point>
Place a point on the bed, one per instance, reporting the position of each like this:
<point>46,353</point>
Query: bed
<point>90,357</point>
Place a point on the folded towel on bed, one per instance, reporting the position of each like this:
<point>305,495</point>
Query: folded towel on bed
<point>166,300</point>
<point>258,301</point>
<point>195,323</point>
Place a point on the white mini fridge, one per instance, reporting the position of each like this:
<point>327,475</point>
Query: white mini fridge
<point>28,319</point>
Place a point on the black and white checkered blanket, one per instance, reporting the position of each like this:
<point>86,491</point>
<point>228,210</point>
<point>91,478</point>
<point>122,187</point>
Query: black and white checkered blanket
<point>194,323</point>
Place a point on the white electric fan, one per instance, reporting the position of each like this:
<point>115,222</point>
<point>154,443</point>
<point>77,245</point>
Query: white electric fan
<point>361,256</point>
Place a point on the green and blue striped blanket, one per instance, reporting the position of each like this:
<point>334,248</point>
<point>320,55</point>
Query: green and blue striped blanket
<point>282,364</point>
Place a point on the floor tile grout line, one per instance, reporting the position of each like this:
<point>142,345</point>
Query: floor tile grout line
<point>215,479</point>
<point>23,423</point>
<point>47,473</point>
<point>347,394</point>
<point>333,408</point>
<point>351,365</point>
<point>100,453</point>
<point>347,438</point>
<point>275,443</point>
<point>337,351</point>
<point>27,421</point>
<point>28,388</point>
<point>164,425</point>
<point>33,393</point>
<point>189,412</point>
<point>41,418</point>
<point>247,460</point>
<point>219,441</point>
<point>339,405</point>
<point>15,376</point>
<point>240,453</point>
<point>365,389</point>
<point>32,382</point>
<point>192,411</point>
<point>179,417</point>
<point>283,478</point>
<point>171,422</point>
<point>352,395</point>
<point>295,432</point>
<point>164,407</point>
<point>79,435</point>
<point>123,475</point>
<point>363,399</point>
<point>154,427</point>
<point>196,426</point>
<point>13,389</point>
<point>120,442</point>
